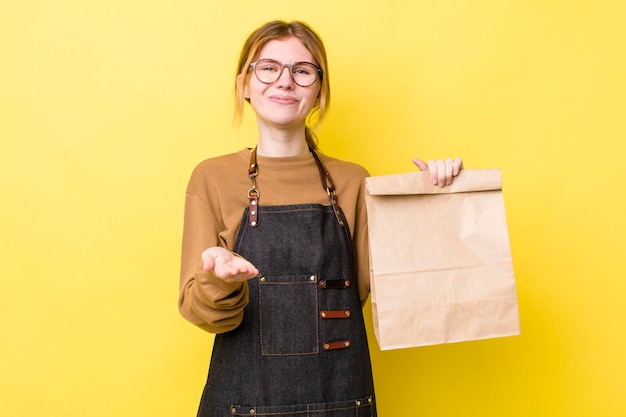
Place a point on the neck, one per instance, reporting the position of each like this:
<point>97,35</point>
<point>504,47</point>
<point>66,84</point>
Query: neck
<point>282,143</point>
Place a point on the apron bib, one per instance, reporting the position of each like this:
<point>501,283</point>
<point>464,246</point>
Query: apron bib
<point>301,349</point>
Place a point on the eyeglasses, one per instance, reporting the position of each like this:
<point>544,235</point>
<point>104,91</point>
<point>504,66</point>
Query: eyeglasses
<point>302,73</point>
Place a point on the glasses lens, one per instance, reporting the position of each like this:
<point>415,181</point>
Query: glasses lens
<point>267,71</point>
<point>304,74</point>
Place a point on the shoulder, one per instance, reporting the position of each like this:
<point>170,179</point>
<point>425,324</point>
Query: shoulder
<point>228,162</point>
<point>219,168</point>
<point>344,168</point>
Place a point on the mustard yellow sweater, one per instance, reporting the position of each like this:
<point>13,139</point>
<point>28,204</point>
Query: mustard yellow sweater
<point>216,197</point>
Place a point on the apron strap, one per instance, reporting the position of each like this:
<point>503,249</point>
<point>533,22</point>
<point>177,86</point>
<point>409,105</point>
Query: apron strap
<point>253,192</point>
<point>328,185</point>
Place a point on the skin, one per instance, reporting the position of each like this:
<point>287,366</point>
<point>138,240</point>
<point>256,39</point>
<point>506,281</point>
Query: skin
<point>281,109</point>
<point>441,171</point>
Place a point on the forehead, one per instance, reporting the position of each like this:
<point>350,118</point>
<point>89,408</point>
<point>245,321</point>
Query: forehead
<point>287,51</point>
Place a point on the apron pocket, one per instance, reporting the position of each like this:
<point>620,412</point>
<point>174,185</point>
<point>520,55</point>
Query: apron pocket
<point>288,310</point>
<point>353,408</point>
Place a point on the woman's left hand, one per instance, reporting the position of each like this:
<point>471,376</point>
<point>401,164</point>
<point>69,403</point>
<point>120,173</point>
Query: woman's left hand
<point>441,171</point>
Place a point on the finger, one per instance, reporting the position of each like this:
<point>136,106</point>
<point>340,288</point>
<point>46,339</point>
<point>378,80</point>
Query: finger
<point>432,168</point>
<point>208,260</point>
<point>231,275</point>
<point>449,170</point>
<point>248,269</point>
<point>241,266</point>
<point>458,166</point>
<point>420,164</point>
<point>441,172</point>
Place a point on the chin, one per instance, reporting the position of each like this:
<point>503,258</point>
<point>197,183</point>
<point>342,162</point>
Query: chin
<point>287,121</point>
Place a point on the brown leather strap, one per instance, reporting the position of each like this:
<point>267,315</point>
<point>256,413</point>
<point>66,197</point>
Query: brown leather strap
<point>329,186</point>
<point>253,192</point>
<point>253,168</point>
<point>339,344</point>
<point>335,314</point>
<point>333,284</point>
<point>253,215</point>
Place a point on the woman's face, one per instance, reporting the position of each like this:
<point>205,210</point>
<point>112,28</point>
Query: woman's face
<point>283,103</point>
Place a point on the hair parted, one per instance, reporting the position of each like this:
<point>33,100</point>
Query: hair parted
<point>279,29</point>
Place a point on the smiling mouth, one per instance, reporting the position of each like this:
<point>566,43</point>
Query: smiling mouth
<point>283,100</point>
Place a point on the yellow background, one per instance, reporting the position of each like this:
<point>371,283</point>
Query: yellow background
<point>106,106</point>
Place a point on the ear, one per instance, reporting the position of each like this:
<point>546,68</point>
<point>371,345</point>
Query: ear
<point>246,92</point>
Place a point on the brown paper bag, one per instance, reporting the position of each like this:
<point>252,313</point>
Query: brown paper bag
<point>441,268</point>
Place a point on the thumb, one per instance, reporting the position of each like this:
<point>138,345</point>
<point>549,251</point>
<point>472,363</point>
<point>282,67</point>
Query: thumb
<point>209,261</point>
<point>423,166</point>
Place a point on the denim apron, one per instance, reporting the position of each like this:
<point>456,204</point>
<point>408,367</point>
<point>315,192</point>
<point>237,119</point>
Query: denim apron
<point>301,349</point>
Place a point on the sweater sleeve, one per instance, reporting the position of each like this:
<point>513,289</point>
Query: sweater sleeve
<point>361,245</point>
<point>204,299</point>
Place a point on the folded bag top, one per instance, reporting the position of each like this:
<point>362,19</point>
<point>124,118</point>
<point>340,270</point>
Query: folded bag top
<point>419,183</point>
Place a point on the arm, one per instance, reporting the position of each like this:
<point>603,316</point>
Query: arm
<point>360,245</point>
<point>206,300</point>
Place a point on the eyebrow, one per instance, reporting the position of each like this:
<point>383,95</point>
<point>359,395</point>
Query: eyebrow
<point>296,62</point>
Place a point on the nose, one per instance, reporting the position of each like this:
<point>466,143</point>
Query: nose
<point>285,80</point>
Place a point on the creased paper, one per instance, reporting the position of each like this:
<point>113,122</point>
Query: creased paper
<point>441,267</point>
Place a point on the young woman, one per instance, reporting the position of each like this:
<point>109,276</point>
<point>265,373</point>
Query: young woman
<point>275,255</point>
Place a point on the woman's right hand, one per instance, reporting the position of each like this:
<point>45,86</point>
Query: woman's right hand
<point>228,266</point>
